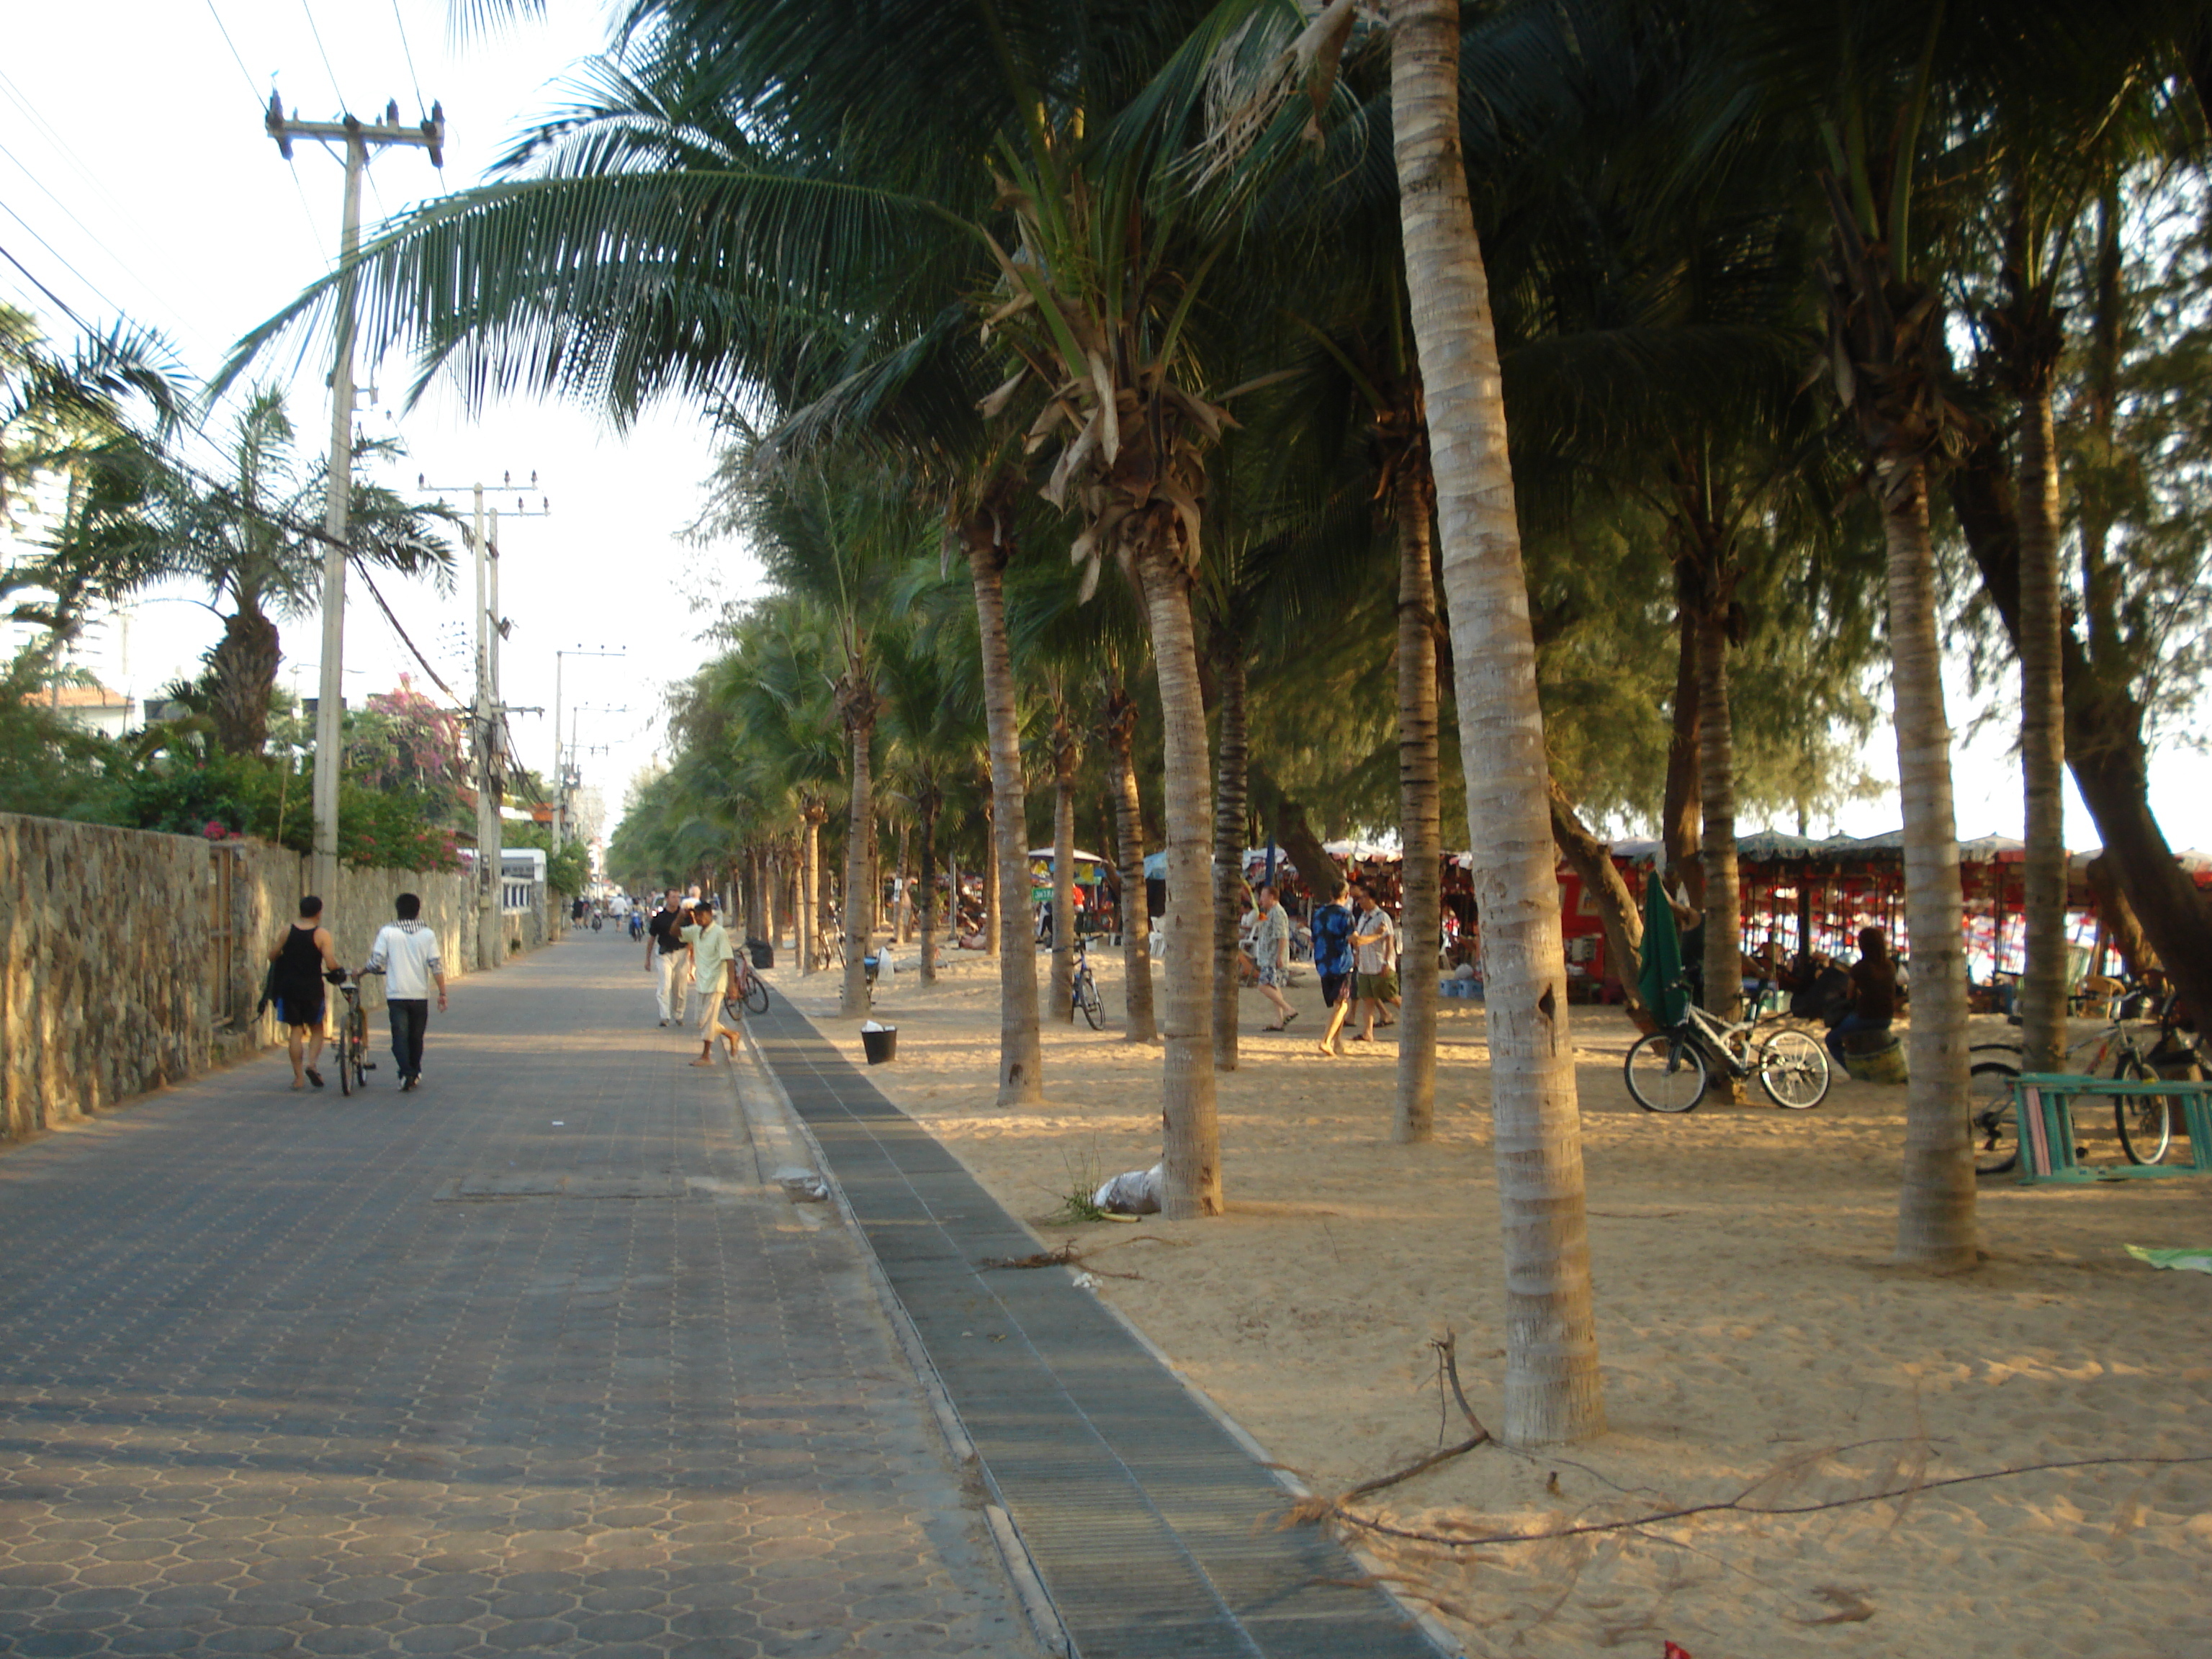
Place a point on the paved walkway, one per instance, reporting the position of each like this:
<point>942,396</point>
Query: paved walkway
<point>1153,1529</point>
<point>524,1363</point>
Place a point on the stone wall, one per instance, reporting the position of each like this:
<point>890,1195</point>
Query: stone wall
<point>129,960</point>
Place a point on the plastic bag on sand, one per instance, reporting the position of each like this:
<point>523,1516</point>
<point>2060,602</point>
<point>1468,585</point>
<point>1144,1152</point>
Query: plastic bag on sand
<point>2198,1259</point>
<point>1137,1193</point>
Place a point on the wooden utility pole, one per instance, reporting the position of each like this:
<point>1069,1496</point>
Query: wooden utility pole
<point>359,138</point>
<point>488,717</point>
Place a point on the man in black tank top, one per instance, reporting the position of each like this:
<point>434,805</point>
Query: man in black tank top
<point>301,957</point>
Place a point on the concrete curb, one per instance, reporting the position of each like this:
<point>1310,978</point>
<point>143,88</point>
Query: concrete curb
<point>1045,1623</point>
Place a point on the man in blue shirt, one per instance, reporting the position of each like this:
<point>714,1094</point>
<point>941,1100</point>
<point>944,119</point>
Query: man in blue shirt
<point>1332,954</point>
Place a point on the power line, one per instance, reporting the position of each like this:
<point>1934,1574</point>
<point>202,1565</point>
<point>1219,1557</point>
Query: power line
<point>252,87</point>
<point>253,90</point>
<point>119,262</point>
<point>408,51</point>
<point>336,91</point>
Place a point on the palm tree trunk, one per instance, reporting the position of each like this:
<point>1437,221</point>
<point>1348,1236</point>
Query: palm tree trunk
<point>2042,738</point>
<point>1591,860</point>
<point>1192,1133</point>
<point>1553,1391</point>
<point>1936,1210</point>
<point>1059,1001</point>
<point>1229,786</point>
<point>990,891</point>
<point>860,896</point>
<point>1717,779</point>
<point>1678,823</point>
<point>928,880</point>
<point>242,671</point>
<point>1419,811</point>
<point>1021,1050</point>
<point>1129,849</point>
<point>811,899</point>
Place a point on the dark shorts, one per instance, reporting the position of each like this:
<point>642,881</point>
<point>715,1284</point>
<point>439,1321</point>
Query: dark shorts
<point>1332,988</point>
<point>295,1009</point>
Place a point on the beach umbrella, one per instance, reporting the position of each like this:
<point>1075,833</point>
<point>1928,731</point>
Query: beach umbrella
<point>1661,982</point>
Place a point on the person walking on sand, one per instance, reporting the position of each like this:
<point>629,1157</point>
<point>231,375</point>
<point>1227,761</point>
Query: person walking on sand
<point>1271,955</point>
<point>303,956</point>
<point>1375,962</point>
<point>1332,954</point>
<point>710,956</point>
<point>407,954</point>
<point>664,944</point>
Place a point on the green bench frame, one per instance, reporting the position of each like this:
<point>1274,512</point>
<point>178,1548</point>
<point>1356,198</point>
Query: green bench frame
<point>2043,1108</point>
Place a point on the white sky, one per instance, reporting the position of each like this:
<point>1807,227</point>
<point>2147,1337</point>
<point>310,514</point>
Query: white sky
<point>135,176</point>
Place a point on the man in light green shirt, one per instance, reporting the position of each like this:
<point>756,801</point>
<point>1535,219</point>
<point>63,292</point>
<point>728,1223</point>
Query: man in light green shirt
<point>710,965</point>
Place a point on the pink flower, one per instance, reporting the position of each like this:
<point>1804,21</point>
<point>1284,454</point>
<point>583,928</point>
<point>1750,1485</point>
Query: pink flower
<point>214,831</point>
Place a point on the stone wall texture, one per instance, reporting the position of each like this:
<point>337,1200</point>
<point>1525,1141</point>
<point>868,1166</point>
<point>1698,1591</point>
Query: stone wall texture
<point>129,960</point>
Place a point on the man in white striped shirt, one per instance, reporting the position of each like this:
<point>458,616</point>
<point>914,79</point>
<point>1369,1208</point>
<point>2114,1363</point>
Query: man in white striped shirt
<point>407,951</point>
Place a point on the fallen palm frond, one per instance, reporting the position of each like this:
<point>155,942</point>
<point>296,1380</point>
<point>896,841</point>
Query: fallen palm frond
<point>1308,1509</point>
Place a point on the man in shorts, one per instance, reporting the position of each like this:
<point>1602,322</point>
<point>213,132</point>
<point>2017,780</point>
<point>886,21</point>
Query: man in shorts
<point>710,957</point>
<point>1331,947</point>
<point>1271,955</point>
<point>302,960</point>
<point>1375,960</point>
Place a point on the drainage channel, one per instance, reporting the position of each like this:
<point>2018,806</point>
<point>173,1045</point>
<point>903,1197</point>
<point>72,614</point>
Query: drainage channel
<point>1150,1525</point>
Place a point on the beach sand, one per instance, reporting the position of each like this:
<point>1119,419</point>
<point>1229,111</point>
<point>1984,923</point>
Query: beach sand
<point>1753,1332</point>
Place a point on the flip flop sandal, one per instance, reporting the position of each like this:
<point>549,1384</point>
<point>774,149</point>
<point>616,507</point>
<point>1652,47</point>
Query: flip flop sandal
<point>313,1076</point>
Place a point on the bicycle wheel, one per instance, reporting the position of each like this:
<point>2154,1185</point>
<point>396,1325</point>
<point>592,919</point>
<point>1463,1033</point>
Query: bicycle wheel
<point>2145,1122</point>
<point>1086,998</point>
<point>345,1056</point>
<point>1665,1073</point>
<point>1793,1070</point>
<point>755,993</point>
<point>1992,1120</point>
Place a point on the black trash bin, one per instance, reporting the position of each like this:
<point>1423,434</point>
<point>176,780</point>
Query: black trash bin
<point>882,1045</point>
<point>763,953</point>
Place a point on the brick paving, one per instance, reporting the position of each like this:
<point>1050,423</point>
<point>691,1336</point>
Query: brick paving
<point>291,1374</point>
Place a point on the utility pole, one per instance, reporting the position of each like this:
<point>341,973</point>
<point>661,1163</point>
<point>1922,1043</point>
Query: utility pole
<point>560,778</point>
<point>360,139</point>
<point>486,717</point>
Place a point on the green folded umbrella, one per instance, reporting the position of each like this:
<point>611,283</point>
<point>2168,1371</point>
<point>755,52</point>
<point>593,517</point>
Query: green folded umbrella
<point>2195,1260</point>
<point>1661,982</point>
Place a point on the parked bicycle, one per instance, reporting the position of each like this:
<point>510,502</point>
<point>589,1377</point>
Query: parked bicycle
<point>354,1063</point>
<point>1087,1000</point>
<point>2143,1122</point>
<point>1669,1069</point>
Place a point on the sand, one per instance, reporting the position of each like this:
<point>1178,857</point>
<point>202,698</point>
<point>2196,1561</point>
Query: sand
<point>1750,1325</point>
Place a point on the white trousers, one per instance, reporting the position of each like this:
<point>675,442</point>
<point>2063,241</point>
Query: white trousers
<point>675,985</point>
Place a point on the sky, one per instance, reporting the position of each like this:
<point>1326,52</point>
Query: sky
<point>136,178</point>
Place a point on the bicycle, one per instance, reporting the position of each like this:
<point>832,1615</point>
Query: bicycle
<point>354,1063</point>
<point>1670,1069</point>
<point>746,987</point>
<point>2143,1122</point>
<point>1086,998</point>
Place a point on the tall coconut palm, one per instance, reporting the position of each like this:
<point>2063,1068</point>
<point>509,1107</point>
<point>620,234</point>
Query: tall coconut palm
<point>1553,1388</point>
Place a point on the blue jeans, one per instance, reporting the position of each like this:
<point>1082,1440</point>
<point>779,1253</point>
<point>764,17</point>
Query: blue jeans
<point>411,1017</point>
<point>1850,1024</point>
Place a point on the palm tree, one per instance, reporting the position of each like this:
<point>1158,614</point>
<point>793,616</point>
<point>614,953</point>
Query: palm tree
<point>1552,1388</point>
<point>254,539</point>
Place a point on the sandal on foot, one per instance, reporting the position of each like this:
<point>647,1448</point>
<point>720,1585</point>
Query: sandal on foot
<point>314,1077</point>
